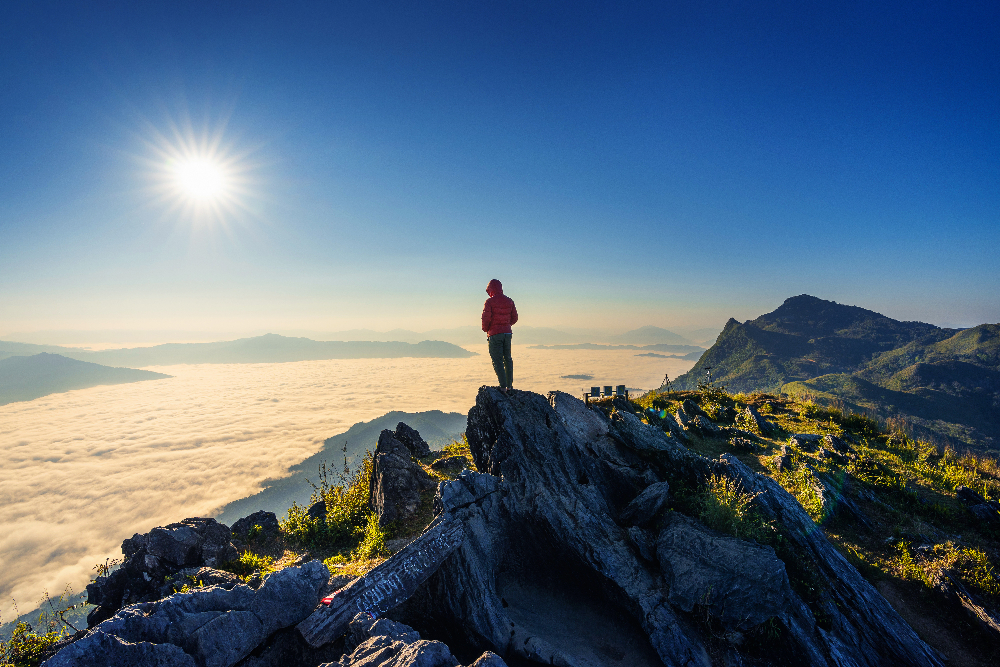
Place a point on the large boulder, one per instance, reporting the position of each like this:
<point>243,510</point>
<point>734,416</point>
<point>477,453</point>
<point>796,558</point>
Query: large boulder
<point>152,557</point>
<point>261,525</point>
<point>208,627</point>
<point>396,482</point>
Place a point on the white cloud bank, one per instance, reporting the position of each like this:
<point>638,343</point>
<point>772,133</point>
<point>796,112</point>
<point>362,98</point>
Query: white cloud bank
<point>86,469</point>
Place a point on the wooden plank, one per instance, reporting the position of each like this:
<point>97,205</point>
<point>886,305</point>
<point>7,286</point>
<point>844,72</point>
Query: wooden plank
<point>387,586</point>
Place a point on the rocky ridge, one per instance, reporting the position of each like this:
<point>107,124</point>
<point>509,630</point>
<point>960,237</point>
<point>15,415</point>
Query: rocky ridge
<point>565,550</point>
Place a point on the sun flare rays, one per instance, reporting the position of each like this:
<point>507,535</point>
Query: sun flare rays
<point>198,176</point>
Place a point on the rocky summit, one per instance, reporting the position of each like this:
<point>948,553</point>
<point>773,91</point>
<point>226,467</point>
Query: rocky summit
<point>564,547</point>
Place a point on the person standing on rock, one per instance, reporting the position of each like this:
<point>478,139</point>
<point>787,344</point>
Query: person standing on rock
<point>499,313</point>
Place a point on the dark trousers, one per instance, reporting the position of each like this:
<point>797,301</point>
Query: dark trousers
<point>502,363</point>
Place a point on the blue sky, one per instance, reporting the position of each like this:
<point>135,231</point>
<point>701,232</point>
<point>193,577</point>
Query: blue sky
<point>614,164</point>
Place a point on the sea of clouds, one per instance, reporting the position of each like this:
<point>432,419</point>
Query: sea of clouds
<point>85,469</point>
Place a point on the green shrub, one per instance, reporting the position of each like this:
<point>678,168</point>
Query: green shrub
<point>727,508</point>
<point>26,647</point>
<point>346,509</point>
<point>248,563</point>
<point>373,544</point>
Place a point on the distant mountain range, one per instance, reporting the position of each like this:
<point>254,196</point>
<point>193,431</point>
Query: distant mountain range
<point>28,378</point>
<point>436,427</point>
<point>679,351</point>
<point>944,382</point>
<point>270,348</point>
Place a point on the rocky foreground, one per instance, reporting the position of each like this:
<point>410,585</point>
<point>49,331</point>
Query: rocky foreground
<point>563,549</point>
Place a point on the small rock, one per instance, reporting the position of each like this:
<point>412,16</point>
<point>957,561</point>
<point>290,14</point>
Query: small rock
<point>833,442</point>
<point>807,442</point>
<point>783,462</point>
<point>705,425</point>
<point>317,511</point>
<point>693,409</point>
<point>836,457</point>
<point>266,521</point>
<point>761,425</point>
<point>968,496</point>
<point>745,444</point>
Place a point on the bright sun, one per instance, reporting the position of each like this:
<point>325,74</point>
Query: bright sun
<point>200,178</point>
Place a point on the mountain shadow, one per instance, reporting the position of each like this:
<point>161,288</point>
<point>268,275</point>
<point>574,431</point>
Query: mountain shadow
<point>28,378</point>
<point>944,383</point>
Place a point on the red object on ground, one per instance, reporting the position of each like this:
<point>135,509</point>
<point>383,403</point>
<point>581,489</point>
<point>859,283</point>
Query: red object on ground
<point>499,312</point>
<point>328,600</point>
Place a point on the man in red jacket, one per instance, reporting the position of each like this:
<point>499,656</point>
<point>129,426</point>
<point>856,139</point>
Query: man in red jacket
<point>499,313</point>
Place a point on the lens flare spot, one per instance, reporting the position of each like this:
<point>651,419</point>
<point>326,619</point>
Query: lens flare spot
<point>200,178</point>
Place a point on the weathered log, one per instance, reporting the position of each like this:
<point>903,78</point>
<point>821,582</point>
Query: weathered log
<point>388,585</point>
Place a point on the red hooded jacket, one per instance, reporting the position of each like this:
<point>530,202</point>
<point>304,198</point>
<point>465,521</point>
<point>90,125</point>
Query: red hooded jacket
<point>499,311</point>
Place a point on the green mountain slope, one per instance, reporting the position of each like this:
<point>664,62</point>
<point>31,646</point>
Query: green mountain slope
<point>944,383</point>
<point>28,378</point>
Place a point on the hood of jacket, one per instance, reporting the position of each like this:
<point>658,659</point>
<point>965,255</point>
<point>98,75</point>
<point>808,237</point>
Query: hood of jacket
<point>494,288</point>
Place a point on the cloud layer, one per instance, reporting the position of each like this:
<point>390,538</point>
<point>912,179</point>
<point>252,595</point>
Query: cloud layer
<point>86,469</point>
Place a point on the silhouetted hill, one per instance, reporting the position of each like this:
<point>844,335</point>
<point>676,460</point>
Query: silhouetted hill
<point>28,378</point>
<point>270,348</point>
<point>436,427</point>
<point>944,382</point>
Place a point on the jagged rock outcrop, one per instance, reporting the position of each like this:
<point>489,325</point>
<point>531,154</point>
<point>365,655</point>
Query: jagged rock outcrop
<point>411,439</point>
<point>209,627</point>
<point>396,480</point>
<point>150,557</point>
<point>545,546</point>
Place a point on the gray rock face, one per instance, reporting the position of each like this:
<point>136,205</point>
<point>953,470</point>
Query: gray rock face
<point>742,584</point>
<point>151,557</point>
<point>209,627</point>
<point>646,505</point>
<point>267,521</point>
<point>412,440</point>
<point>396,481</point>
